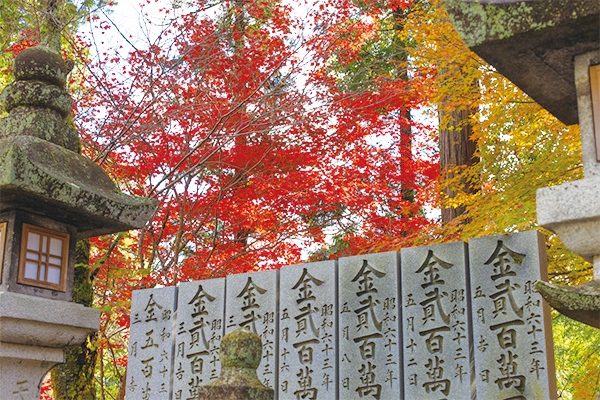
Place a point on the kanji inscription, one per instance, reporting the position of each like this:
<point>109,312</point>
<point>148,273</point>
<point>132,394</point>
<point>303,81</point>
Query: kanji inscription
<point>436,331</point>
<point>198,334</point>
<point>150,354</point>
<point>369,330</point>
<point>514,356</point>
<point>308,334</point>
<point>252,301</point>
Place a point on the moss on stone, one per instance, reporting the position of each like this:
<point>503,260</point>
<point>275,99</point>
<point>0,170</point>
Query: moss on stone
<point>75,378</point>
<point>240,355</point>
<point>479,22</point>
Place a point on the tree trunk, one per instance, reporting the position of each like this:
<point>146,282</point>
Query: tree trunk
<point>456,147</point>
<point>75,378</point>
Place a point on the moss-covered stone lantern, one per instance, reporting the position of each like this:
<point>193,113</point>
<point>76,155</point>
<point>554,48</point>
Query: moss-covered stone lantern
<point>551,50</point>
<point>50,197</point>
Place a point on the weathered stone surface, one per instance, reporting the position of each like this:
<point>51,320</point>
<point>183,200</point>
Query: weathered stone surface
<point>589,147</point>
<point>36,94</point>
<point>436,325</point>
<point>34,321</point>
<point>40,177</point>
<point>252,302</point>
<point>33,333</point>
<point>511,323</point>
<point>532,43</point>
<point>572,210</point>
<point>241,354</point>
<point>42,171</point>
<point>200,328</point>
<point>369,327</point>
<point>150,363</point>
<point>41,63</point>
<point>308,336</point>
<point>581,302</point>
<point>22,369</point>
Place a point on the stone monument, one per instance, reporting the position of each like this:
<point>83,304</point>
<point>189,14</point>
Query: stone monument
<point>551,50</point>
<point>50,197</point>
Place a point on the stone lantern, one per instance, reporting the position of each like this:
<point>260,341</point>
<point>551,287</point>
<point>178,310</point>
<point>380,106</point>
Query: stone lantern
<point>50,197</point>
<point>550,49</point>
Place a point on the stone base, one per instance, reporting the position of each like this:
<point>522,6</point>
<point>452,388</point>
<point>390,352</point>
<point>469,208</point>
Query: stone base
<point>22,369</point>
<point>33,335</point>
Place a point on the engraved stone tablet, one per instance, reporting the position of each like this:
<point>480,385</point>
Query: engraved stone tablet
<point>252,301</point>
<point>436,331</point>
<point>514,356</point>
<point>308,332</point>
<point>369,330</point>
<point>150,361</point>
<point>200,313</point>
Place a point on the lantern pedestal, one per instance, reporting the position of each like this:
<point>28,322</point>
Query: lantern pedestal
<point>33,333</point>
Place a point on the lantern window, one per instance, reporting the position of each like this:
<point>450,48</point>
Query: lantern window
<point>44,258</point>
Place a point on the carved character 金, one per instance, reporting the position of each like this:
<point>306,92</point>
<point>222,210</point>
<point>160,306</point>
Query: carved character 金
<point>502,263</point>
<point>248,294</point>
<point>431,271</point>
<point>150,309</point>
<point>365,280</point>
<point>304,286</point>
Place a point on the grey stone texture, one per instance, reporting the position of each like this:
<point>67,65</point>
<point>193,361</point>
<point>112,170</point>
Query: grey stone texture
<point>33,333</point>
<point>150,363</point>
<point>532,43</point>
<point>436,325</point>
<point>589,151</point>
<point>369,327</point>
<point>241,354</point>
<point>512,328</point>
<point>308,331</point>
<point>42,171</point>
<point>252,301</point>
<point>200,328</point>
<point>572,209</point>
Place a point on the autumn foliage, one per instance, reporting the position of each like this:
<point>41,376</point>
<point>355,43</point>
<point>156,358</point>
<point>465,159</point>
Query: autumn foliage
<point>277,132</point>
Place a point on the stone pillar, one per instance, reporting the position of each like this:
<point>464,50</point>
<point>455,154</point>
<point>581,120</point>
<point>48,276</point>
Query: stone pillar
<point>241,352</point>
<point>572,210</point>
<point>33,332</point>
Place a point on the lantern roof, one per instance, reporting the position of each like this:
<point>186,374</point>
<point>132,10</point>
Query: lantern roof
<point>532,43</point>
<point>42,171</point>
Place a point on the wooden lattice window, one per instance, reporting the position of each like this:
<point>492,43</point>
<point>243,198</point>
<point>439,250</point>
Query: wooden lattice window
<point>2,242</point>
<point>44,258</point>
